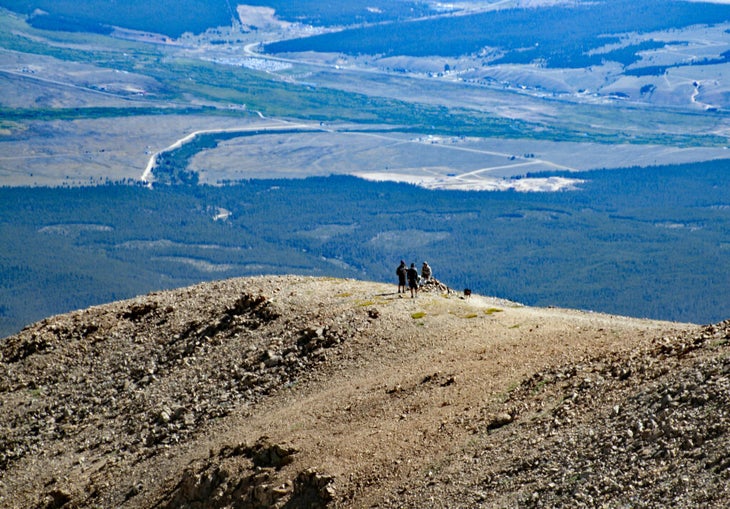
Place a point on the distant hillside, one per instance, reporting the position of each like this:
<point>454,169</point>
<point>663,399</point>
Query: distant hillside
<point>292,392</point>
<point>560,36</point>
<point>162,17</point>
<point>173,18</point>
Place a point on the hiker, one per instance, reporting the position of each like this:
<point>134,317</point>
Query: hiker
<point>425,272</point>
<point>413,280</point>
<point>401,271</point>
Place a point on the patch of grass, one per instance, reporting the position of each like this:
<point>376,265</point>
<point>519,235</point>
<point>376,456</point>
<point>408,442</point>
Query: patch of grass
<point>372,302</point>
<point>344,294</point>
<point>418,315</point>
<point>297,426</point>
<point>36,392</point>
<point>491,311</point>
<point>504,396</point>
<point>471,315</point>
<point>539,386</point>
<point>515,326</point>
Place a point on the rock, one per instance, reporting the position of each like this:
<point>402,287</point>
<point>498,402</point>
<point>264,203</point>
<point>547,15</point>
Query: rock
<point>267,455</point>
<point>499,420</point>
<point>273,360</point>
<point>312,490</point>
<point>57,499</point>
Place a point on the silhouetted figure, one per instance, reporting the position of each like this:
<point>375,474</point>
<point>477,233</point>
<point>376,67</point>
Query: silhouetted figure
<point>402,271</point>
<point>412,275</point>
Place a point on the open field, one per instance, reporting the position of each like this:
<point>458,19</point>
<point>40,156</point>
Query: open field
<point>431,161</point>
<point>92,151</point>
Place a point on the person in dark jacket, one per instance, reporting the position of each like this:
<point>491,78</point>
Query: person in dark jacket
<point>402,271</point>
<point>412,275</point>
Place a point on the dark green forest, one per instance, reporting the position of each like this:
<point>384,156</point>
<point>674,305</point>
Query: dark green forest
<point>196,16</point>
<point>560,37</point>
<point>639,242</point>
<point>163,17</point>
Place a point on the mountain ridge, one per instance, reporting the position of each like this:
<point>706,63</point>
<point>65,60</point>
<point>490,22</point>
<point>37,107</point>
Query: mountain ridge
<point>296,391</point>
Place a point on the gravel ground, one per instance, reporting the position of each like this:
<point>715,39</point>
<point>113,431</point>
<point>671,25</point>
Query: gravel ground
<point>306,392</point>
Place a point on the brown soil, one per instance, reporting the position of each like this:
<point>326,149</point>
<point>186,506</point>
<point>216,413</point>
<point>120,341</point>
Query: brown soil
<point>305,392</point>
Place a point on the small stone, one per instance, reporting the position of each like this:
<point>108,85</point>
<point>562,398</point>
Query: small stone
<point>499,420</point>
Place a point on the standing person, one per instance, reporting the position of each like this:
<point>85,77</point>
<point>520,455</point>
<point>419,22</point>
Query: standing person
<point>425,272</point>
<point>401,271</point>
<point>413,280</point>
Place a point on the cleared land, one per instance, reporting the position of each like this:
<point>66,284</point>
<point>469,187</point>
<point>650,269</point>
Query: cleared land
<point>431,161</point>
<point>90,151</point>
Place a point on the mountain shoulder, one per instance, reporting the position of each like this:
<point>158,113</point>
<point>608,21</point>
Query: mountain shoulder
<point>296,391</point>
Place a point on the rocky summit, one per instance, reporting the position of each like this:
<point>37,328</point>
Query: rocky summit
<point>289,392</point>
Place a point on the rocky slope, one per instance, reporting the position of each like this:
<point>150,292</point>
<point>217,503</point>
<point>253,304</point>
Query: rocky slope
<point>304,392</point>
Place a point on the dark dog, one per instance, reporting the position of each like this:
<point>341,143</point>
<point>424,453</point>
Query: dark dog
<point>467,293</point>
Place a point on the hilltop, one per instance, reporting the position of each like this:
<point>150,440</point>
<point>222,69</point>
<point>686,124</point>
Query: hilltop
<point>309,392</point>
